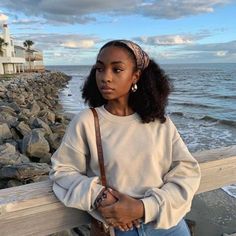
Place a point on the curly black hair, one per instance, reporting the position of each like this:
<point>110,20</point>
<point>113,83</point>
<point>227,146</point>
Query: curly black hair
<point>151,98</point>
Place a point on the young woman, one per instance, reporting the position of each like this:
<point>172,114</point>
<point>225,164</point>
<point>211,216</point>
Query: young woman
<point>152,177</point>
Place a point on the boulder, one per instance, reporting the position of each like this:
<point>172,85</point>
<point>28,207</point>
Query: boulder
<point>23,128</point>
<point>9,155</point>
<point>35,145</point>
<point>38,123</point>
<point>34,108</point>
<point>24,171</point>
<point>5,132</point>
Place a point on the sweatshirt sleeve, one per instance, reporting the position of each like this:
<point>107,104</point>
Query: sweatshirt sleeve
<point>70,183</point>
<point>167,205</point>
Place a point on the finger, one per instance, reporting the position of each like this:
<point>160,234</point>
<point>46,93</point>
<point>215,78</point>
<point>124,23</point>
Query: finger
<point>130,226</point>
<point>115,193</point>
<point>123,227</point>
<point>136,223</point>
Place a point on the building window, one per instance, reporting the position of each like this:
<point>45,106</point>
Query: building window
<point>11,43</point>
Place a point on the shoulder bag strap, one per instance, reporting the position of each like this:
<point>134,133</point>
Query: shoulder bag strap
<point>99,147</point>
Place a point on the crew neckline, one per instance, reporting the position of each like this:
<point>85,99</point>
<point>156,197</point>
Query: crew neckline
<point>105,113</point>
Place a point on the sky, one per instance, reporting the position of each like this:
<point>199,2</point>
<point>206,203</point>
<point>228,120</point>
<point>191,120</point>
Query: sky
<point>171,31</point>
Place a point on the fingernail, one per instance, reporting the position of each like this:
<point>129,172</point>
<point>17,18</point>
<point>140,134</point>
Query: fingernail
<point>137,226</point>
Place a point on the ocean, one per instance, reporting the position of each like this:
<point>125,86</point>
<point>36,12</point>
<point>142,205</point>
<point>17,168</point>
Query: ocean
<point>202,105</point>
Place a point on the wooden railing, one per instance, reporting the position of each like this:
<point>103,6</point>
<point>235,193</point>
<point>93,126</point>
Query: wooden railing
<point>34,210</point>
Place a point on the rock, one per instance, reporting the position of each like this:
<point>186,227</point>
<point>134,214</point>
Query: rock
<point>38,123</point>
<point>35,145</point>
<point>5,117</point>
<point>2,88</point>
<point>58,128</point>
<point>54,141</point>
<point>34,108</point>
<point>23,128</point>
<point>5,132</point>
<point>7,149</point>
<point>24,171</point>
<point>14,183</point>
<point>7,109</point>
<point>46,158</point>
<point>47,116</point>
<point>9,156</point>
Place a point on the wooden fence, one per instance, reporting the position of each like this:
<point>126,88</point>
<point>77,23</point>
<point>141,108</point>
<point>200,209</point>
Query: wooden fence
<point>34,210</point>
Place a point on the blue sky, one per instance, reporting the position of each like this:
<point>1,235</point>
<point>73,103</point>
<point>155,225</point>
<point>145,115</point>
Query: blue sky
<point>171,31</point>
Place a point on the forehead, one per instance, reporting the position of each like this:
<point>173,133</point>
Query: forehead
<point>114,53</point>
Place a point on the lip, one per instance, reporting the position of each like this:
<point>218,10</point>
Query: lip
<point>106,89</point>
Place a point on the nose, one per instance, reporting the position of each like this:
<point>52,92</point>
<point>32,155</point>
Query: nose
<point>106,76</point>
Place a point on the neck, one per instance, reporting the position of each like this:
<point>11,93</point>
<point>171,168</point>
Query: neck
<point>119,109</point>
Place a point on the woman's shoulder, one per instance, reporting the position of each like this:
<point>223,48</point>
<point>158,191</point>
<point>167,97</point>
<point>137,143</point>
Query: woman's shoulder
<point>83,116</point>
<point>168,126</point>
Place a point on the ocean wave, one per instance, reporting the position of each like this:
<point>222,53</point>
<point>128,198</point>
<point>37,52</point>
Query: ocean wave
<point>221,121</point>
<point>194,105</point>
<point>224,96</point>
<point>206,118</point>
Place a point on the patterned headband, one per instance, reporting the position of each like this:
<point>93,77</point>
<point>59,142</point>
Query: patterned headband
<point>141,57</point>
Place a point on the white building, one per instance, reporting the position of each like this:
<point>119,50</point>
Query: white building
<point>9,63</point>
<point>15,59</point>
<point>34,61</point>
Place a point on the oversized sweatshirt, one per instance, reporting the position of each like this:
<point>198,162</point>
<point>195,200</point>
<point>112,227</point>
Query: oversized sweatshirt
<point>147,161</point>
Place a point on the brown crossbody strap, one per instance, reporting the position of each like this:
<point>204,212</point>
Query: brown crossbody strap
<point>99,147</point>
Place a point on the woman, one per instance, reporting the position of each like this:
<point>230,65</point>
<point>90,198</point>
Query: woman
<point>152,177</point>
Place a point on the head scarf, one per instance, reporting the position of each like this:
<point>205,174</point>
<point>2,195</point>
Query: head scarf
<point>142,59</point>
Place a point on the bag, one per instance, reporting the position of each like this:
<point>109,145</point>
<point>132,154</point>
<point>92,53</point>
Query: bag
<point>97,227</point>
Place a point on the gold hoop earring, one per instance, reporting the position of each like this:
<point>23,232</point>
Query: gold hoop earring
<point>134,88</point>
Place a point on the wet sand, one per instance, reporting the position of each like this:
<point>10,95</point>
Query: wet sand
<point>214,213</point>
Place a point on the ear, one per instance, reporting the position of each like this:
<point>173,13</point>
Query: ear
<point>136,76</point>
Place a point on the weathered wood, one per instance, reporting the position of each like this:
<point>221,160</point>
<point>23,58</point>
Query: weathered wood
<point>33,209</point>
<point>218,168</point>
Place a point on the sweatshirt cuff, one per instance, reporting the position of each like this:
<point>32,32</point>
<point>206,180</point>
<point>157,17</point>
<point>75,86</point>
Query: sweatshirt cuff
<point>151,209</point>
<point>97,190</point>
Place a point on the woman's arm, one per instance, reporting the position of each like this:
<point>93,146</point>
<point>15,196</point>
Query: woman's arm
<point>167,205</point>
<point>70,183</point>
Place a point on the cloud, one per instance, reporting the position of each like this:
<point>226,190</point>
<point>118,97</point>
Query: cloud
<point>88,43</point>
<point>3,18</point>
<point>83,11</point>
<point>172,9</point>
<point>211,52</point>
<point>221,53</point>
<point>229,47</point>
<point>172,40</point>
<point>47,41</point>
<point>25,21</point>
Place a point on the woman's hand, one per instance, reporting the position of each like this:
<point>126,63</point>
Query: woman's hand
<point>123,212</point>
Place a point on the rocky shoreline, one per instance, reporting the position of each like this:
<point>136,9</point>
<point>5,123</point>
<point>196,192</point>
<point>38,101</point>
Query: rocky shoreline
<point>31,126</point>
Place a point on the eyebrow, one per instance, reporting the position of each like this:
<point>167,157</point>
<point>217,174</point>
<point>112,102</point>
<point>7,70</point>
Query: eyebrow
<point>114,62</point>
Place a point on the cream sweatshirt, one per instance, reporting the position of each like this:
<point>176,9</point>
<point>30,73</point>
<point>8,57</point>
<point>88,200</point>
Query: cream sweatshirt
<point>146,161</point>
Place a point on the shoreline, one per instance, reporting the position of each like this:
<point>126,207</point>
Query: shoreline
<point>32,124</point>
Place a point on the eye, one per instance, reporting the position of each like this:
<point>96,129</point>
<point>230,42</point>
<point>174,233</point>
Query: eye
<point>117,70</point>
<point>98,68</point>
